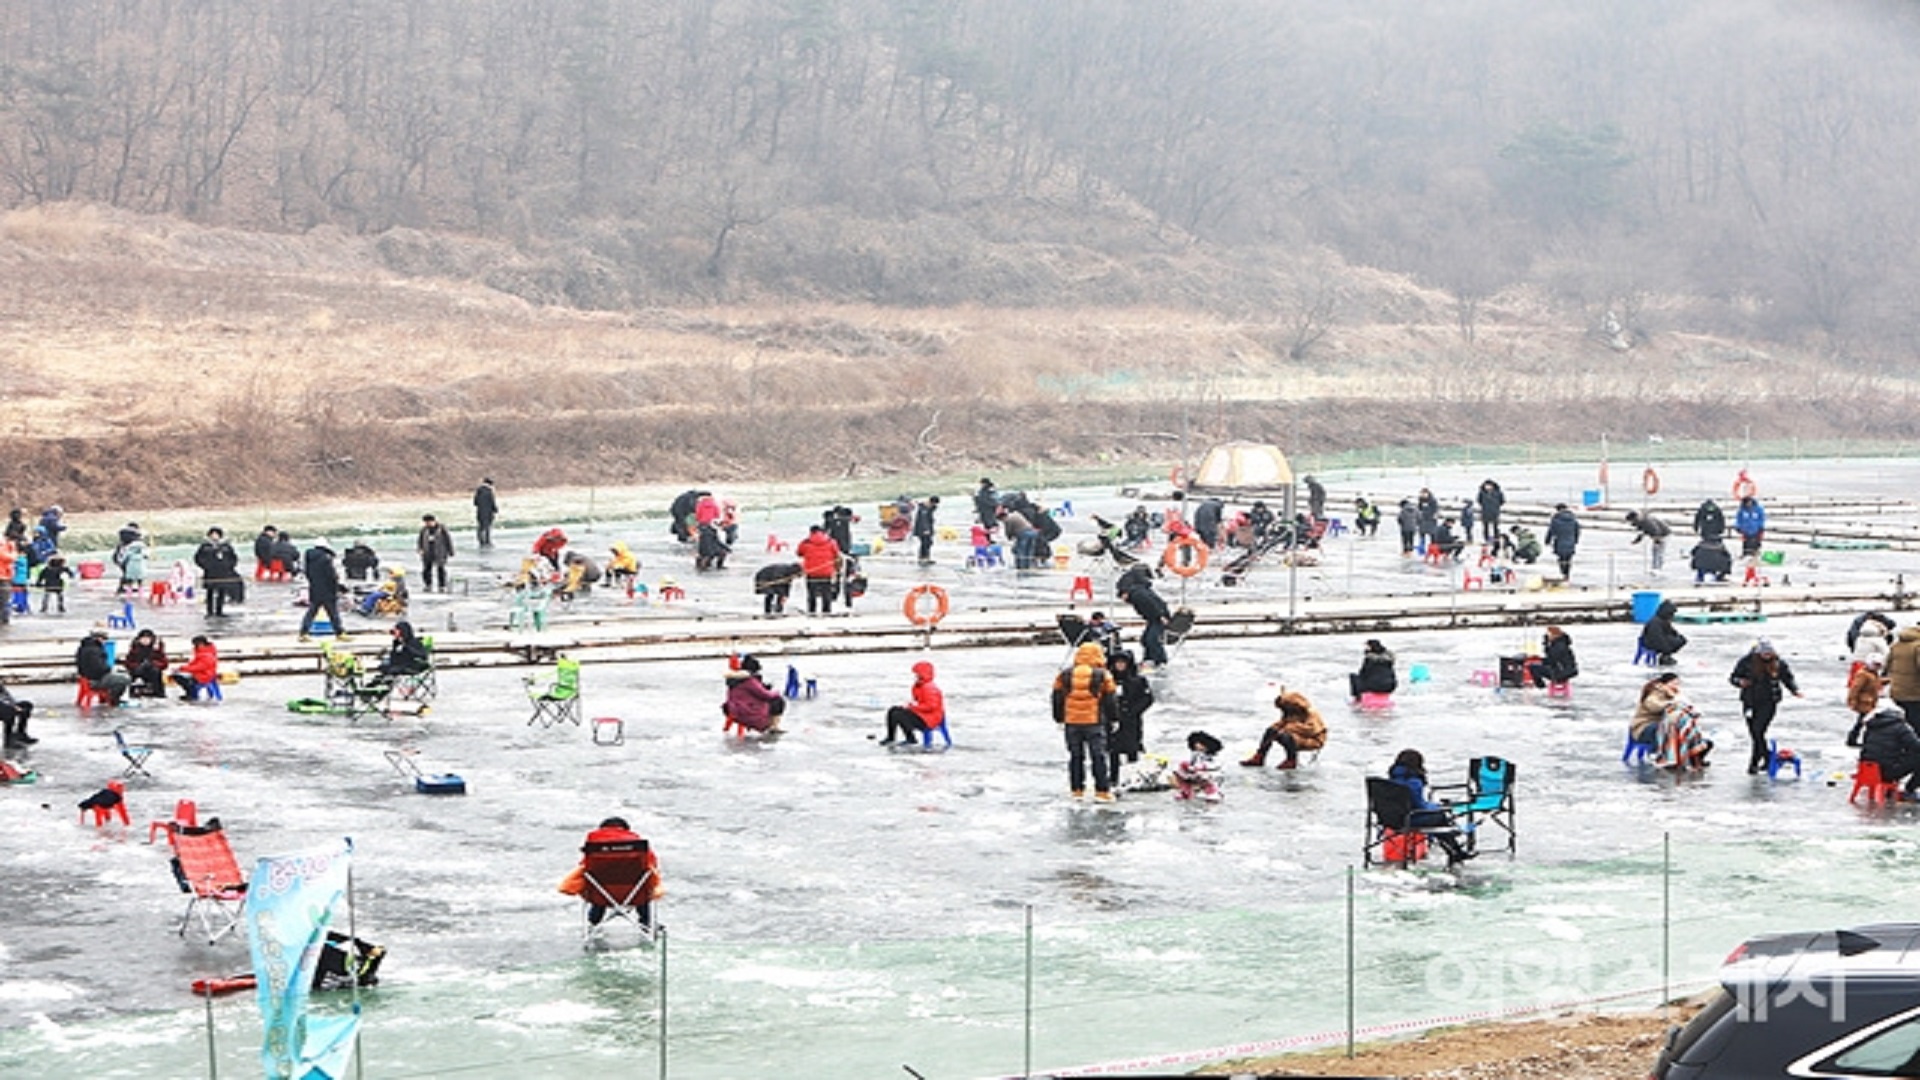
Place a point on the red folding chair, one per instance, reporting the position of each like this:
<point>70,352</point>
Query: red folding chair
<point>622,878</point>
<point>206,870</point>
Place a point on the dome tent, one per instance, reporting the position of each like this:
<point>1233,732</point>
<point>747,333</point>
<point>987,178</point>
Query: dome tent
<point>1244,470</point>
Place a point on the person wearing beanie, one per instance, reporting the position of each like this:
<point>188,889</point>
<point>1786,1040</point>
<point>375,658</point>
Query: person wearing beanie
<point>323,590</point>
<point>1761,675</point>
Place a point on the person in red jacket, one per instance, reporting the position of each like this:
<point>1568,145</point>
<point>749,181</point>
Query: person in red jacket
<point>820,562</point>
<point>550,546</point>
<point>612,831</point>
<point>925,710</point>
<point>200,671</point>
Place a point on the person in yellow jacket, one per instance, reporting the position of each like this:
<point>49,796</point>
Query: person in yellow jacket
<point>623,568</point>
<point>1083,703</point>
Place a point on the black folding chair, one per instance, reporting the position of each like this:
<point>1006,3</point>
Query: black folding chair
<point>1391,821</point>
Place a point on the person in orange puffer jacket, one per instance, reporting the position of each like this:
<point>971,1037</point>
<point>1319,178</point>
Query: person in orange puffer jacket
<point>820,561</point>
<point>926,710</point>
<point>200,671</point>
<point>1083,704</point>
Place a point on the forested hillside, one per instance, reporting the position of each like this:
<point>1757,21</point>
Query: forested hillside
<point>1738,167</point>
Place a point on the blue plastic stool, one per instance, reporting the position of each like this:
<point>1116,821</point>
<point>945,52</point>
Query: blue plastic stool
<point>793,681</point>
<point>124,620</point>
<point>1775,762</point>
<point>1335,527</point>
<point>1635,752</point>
<point>987,555</point>
<point>926,735</point>
<point>1065,509</point>
<point>1645,656</point>
<point>208,691</point>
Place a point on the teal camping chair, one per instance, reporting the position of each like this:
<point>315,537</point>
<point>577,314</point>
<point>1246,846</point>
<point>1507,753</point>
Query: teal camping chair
<point>1489,797</point>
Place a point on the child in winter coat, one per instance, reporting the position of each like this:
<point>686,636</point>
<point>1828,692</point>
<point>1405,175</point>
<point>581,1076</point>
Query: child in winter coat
<point>53,583</point>
<point>925,710</point>
<point>202,670</point>
<point>1196,775</point>
<point>132,560</point>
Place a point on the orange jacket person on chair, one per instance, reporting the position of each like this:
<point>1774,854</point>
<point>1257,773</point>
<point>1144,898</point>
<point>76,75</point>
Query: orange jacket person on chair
<point>615,831</point>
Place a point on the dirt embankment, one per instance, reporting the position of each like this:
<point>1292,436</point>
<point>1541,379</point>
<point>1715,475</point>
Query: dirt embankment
<point>146,363</point>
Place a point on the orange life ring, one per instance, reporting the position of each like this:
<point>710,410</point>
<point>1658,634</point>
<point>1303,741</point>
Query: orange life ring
<point>1650,481</point>
<point>1744,487</point>
<point>1185,565</point>
<point>1178,478</point>
<point>911,606</point>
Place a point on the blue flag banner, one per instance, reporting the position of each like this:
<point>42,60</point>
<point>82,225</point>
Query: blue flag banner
<point>290,901</point>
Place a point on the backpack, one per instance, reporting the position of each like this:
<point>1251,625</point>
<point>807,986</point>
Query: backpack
<point>120,556</point>
<point>41,551</point>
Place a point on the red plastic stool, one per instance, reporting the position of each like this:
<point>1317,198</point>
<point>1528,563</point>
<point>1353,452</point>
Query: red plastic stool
<point>1560,690</point>
<point>1371,700</point>
<point>184,813</point>
<point>670,593</point>
<point>1867,778</point>
<point>107,804</point>
<point>1082,586</point>
<point>161,592</point>
<point>774,543</point>
<point>85,696</point>
<point>1470,581</point>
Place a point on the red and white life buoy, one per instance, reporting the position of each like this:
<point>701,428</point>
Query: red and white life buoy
<point>1185,555</point>
<point>1178,478</point>
<point>916,613</point>
<point>1744,487</point>
<point>1650,481</point>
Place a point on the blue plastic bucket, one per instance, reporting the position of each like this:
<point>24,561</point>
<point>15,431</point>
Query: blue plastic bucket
<point>1590,497</point>
<point>1644,605</point>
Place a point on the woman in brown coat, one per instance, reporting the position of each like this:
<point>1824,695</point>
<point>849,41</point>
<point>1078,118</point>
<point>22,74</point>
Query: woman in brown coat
<point>1298,729</point>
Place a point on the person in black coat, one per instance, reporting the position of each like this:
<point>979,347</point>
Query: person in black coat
<point>435,546</point>
<point>1711,559</point>
<point>1563,536</point>
<point>1491,500</point>
<point>263,551</point>
<point>1660,637</point>
<point>1709,521</point>
<point>838,522</point>
<point>407,655</point>
<point>90,660</point>
<point>1206,521</point>
<point>485,509</point>
<point>1316,499</point>
<point>923,527</point>
<point>360,561</point>
<point>1891,743</point>
<point>1376,674</point>
<point>1761,675</point>
<point>1129,734</point>
<point>219,571</point>
<point>680,515</point>
<point>287,554</point>
<point>323,590</point>
<point>1137,589</point>
<point>773,583</point>
<point>986,505</point>
<point>1556,663</point>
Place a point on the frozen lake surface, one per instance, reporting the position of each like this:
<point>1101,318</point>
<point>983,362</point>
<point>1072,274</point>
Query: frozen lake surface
<point>837,908</point>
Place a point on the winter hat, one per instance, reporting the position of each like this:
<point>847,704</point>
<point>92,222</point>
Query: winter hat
<point>321,542</point>
<point>1764,647</point>
<point>750,664</point>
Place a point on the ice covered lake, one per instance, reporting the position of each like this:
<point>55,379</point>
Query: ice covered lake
<point>837,908</point>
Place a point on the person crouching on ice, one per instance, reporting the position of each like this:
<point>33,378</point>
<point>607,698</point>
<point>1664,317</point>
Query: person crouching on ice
<point>925,710</point>
<point>751,703</point>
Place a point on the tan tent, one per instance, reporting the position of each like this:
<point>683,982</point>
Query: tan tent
<point>1242,469</point>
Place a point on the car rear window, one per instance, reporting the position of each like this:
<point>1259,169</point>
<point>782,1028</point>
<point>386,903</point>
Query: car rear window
<point>1893,1051</point>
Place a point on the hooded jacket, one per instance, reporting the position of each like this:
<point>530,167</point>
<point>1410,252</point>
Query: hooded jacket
<point>323,578</point>
<point>819,556</point>
<point>927,702</point>
<point>1659,635</point>
<point>408,656</point>
<point>1563,533</point>
<point>1903,666</point>
<point>1309,731</point>
<point>1758,685</point>
<point>1890,742</point>
<point>1082,693</point>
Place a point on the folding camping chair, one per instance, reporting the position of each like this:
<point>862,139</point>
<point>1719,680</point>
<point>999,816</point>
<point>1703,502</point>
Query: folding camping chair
<point>1489,796</point>
<point>421,687</point>
<point>206,870</point>
<point>559,699</point>
<point>350,691</point>
<point>619,877</point>
<point>136,756</point>
<point>1179,625</point>
<point>1390,827</point>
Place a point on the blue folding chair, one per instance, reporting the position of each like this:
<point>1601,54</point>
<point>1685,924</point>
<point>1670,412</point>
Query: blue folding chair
<point>926,735</point>
<point>1635,753</point>
<point>1489,797</point>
